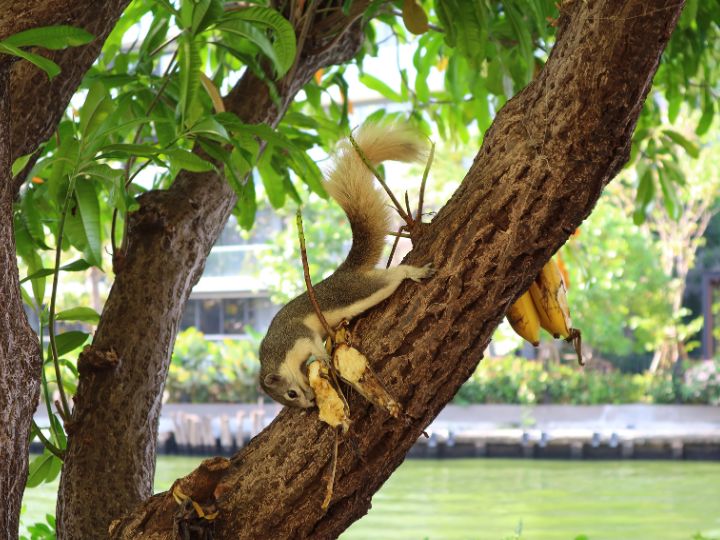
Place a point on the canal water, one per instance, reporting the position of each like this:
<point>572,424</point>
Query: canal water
<point>497,499</point>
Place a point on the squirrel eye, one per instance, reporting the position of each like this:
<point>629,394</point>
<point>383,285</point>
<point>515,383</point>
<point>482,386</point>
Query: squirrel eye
<point>292,394</point>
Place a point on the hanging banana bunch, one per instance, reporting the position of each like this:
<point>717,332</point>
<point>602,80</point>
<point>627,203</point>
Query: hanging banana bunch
<point>545,305</point>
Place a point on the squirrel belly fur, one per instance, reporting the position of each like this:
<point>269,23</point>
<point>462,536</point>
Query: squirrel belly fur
<point>357,285</point>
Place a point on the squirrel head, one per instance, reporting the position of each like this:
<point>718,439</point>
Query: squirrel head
<point>288,384</point>
<point>288,392</point>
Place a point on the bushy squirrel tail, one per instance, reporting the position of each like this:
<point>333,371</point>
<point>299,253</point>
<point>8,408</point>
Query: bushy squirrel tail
<point>351,184</point>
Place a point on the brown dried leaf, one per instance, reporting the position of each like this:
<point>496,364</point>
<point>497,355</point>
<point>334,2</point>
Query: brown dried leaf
<point>414,17</point>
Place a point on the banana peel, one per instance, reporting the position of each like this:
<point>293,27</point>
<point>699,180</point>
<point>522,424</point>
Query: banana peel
<point>549,294</point>
<point>355,370</point>
<point>524,318</point>
<point>331,406</point>
<point>545,305</point>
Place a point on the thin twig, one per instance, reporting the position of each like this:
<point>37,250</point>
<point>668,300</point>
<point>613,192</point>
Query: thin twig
<point>426,172</point>
<point>136,138</point>
<point>400,234</point>
<point>306,273</point>
<point>406,218</point>
<point>394,247</point>
<point>163,45</point>
<point>407,204</point>
<point>65,410</point>
<point>318,312</point>
<point>43,378</point>
<point>331,481</point>
<point>47,444</point>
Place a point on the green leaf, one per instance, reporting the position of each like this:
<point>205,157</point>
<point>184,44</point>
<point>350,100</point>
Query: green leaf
<point>380,87</point>
<point>125,126</point>
<point>466,27</point>
<point>708,112</point>
<point>268,134</point>
<point>19,164</point>
<point>645,194</point>
<point>41,469</point>
<point>69,341</point>
<point>210,128</point>
<point>272,181</point>
<point>127,150</point>
<point>184,159</point>
<point>57,433</point>
<point>67,155</point>
<point>185,15</point>
<point>155,36</point>
<point>247,31</point>
<point>30,217</point>
<point>48,66</point>
<point>190,65</point>
<point>689,12</point>
<point>675,173</point>
<point>34,263</point>
<point>309,172</point>
<point>50,37</point>
<point>670,200</point>
<point>675,100</point>
<point>246,206</point>
<point>690,147</point>
<point>238,165</point>
<point>80,313</point>
<point>101,171</point>
<point>524,39</point>
<point>206,12</point>
<point>93,113</point>
<point>89,210</point>
<point>284,46</point>
<point>75,266</point>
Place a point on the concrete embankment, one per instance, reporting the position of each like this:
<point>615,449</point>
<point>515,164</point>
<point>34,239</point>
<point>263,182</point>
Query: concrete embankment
<point>540,431</point>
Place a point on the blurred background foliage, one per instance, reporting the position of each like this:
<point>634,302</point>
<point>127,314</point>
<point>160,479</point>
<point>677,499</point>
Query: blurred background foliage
<point>152,96</point>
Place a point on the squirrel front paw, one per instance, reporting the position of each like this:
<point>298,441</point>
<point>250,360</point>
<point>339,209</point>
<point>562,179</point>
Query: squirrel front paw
<point>418,273</point>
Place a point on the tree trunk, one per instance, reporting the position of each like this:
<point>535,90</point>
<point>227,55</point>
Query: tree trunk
<point>20,360</point>
<point>540,171</point>
<point>113,432</point>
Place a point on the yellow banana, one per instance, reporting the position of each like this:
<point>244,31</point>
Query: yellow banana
<point>524,318</point>
<point>549,294</point>
<point>550,298</point>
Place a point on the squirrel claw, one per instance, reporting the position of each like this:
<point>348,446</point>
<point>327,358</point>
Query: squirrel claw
<point>419,273</point>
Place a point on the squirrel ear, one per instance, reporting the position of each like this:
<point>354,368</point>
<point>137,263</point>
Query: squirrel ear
<point>272,379</point>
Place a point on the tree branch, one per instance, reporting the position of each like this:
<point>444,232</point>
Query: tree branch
<point>540,171</point>
<point>169,239</point>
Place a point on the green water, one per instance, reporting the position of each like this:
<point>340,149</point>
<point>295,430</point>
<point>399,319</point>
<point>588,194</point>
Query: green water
<point>491,499</point>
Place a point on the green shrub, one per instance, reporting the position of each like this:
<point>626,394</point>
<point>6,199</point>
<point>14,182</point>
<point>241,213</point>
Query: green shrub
<point>521,381</point>
<point>204,371</point>
<point>701,383</point>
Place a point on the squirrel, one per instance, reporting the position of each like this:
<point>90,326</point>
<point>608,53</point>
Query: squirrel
<point>295,332</point>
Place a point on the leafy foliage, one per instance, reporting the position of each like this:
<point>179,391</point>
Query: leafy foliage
<point>48,37</point>
<point>617,288</point>
<point>517,380</point>
<point>207,372</point>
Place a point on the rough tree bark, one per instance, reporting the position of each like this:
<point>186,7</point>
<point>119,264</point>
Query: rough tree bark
<point>113,430</point>
<point>540,171</point>
<point>19,349</point>
<point>28,117</point>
